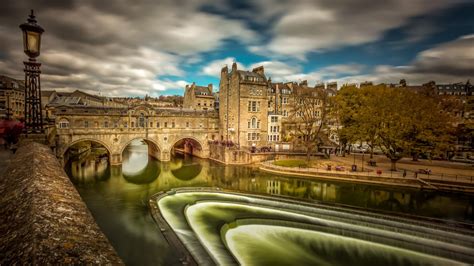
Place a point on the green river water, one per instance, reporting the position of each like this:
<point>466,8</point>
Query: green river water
<point>117,197</point>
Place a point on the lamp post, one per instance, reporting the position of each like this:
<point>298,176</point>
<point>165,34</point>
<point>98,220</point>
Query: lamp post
<point>31,46</point>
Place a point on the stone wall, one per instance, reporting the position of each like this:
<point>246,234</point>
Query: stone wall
<point>230,155</point>
<point>43,220</point>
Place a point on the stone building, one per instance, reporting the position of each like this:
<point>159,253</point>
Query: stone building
<point>12,98</point>
<point>198,97</point>
<point>243,106</point>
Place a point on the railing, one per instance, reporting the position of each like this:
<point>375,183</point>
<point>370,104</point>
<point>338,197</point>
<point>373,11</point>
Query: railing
<point>111,130</point>
<point>370,173</point>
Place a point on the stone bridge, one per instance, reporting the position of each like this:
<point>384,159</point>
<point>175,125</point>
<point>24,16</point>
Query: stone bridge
<point>116,128</point>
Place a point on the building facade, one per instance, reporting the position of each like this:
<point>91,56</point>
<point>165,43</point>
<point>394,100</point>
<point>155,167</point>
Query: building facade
<point>198,97</point>
<point>12,98</point>
<point>243,106</point>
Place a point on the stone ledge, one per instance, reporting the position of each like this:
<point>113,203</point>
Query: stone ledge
<point>43,219</point>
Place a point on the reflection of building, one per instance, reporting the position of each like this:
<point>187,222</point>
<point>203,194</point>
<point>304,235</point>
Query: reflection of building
<point>273,187</point>
<point>198,97</point>
<point>12,98</point>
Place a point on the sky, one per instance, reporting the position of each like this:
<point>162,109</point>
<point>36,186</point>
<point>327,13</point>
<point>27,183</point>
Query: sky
<point>140,47</point>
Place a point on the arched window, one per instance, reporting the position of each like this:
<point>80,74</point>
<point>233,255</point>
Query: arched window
<point>254,122</point>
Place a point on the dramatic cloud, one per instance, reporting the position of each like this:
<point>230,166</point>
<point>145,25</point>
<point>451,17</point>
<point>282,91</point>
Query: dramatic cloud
<point>446,63</point>
<point>119,48</point>
<point>316,26</point>
<point>152,47</point>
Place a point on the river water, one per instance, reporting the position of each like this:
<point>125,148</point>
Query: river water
<point>117,197</point>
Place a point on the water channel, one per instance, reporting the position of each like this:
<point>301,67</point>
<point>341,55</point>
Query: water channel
<point>117,197</point>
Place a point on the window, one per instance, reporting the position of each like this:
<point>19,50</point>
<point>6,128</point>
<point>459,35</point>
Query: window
<point>254,123</point>
<point>166,124</point>
<point>285,100</point>
<point>151,124</point>
<point>274,119</point>
<point>86,124</point>
<point>187,124</point>
<point>157,124</point>
<point>249,136</point>
<point>141,120</point>
<point>173,124</point>
<point>64,123</point>
<point>253,106</point>
<point>285,113</point>
<point>106,124</point>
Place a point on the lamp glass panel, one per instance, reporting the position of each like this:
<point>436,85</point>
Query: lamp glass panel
<point>33,42</point>
<point>25,41</point>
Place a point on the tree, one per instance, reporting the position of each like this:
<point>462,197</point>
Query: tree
<point>345,105</point>
<point>400,121</point>
<point>309,116</point>
<point>409,122</point>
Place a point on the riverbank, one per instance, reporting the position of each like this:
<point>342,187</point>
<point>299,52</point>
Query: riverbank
<point>385,178</point>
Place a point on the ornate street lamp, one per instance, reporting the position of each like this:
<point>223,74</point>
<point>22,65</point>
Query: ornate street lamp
<point>32,44</point>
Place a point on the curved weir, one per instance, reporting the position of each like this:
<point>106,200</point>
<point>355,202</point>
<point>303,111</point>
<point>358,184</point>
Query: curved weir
<point>229,228</point>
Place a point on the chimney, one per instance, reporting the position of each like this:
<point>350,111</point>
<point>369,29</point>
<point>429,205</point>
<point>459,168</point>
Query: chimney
<point>304,83</point>
<point>259,70</point>
<point>225,70</point>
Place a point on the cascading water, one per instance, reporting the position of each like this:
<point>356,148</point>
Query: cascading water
<point>233,228</point>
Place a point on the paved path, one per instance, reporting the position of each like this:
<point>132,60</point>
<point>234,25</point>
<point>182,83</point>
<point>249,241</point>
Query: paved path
<point>445,182</point>
<point>5,158</point>
<point>439,168</point>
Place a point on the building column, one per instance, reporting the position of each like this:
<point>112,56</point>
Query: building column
<point>116,159</point>
<point>165,156</point>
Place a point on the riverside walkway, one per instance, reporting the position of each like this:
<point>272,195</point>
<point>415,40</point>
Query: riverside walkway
<point>445,182</point>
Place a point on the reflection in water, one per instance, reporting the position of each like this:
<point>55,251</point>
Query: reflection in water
<point>88,170</point>
<point>133,158</point>
<point>118,196</point>
<point>139,169</point>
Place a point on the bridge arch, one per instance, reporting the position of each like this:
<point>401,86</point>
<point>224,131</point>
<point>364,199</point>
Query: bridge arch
<point>148,141</point>
<point>154,148</point>
<point>65,157</point>
<point>69,145</point>
<point>188,147</point>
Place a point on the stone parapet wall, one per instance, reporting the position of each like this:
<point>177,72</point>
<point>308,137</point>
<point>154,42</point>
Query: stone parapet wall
<point>230,155</point>
<point>43,219</point>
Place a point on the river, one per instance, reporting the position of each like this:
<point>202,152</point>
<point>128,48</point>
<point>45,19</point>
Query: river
<point>117,197</point>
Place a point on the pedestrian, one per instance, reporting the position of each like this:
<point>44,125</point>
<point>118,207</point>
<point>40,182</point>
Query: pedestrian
<point>404,173</point>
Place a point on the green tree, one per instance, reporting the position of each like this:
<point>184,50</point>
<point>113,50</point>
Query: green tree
<point>409,122</point>
<point>346,104</point>
<point>400,121</point>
